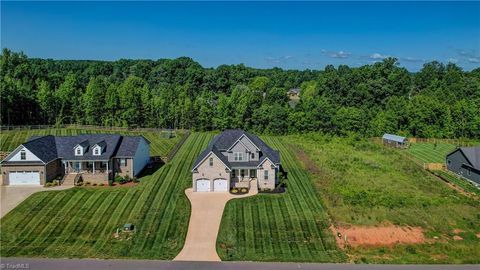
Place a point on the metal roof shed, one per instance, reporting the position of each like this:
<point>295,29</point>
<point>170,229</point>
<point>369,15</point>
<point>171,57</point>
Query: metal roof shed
<point>394,140</point>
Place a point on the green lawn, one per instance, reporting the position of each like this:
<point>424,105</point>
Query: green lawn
<point>279,227</point>
<point>363,183</point>
<point>80,222</point>
<point>160,145</point>
<point>429,152</point>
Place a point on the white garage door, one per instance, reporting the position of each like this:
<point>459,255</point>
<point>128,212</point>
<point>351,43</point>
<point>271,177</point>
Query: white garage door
<point>203,185</point>
<point>24,178</point>
<point>220,185</point>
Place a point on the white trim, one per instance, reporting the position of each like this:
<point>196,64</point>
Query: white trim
<point>201,161</point>
<point>259,165</point>
<point>239,139</point>
<point>14,152</point>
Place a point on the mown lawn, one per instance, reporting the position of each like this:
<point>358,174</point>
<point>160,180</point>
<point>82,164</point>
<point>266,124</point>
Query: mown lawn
<point>81,222</point>
<point>160,145</point>
<point>452,178</point>
<point>362,183</point>
<point>429,152</point>
<point>279,227</point>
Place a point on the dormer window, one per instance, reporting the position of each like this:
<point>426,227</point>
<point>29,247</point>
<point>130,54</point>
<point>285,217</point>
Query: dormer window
<point>96,151</point>
<point>211,161</point>
<point>78,151</point>
<point>23,155</point>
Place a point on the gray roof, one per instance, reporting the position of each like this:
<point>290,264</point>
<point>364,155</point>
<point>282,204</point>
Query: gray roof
<point>43,147</point>
<point>227,138</point>
<point>48,148</point>
<point>394,138</point>
<point>473,155</point>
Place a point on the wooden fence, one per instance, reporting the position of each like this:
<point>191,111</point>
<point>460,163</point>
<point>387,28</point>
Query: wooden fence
<point>31,127</point>
<point>434,166</point>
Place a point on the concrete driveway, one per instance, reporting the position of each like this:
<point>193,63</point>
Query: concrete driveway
<point>207,211</point>
<point>11,196</point>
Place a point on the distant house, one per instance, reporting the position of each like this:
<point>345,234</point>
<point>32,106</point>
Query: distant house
<point>233,159</point>
<point>394,140</point>
<point>97,157</point>
<point>465,161</point>
<point>293,93</point>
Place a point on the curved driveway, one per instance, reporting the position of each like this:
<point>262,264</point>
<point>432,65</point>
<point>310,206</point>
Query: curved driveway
<point>207,211</point>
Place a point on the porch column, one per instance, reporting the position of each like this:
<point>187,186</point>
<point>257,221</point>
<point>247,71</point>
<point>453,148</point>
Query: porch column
<point>94,167</point>
<point>108,173</point>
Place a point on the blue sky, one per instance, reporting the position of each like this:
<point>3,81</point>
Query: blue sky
<point>291,35</point>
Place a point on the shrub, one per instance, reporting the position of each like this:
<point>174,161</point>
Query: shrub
<point>110,182</point>
<point>234,190</point>
<point>79,184</point>
<point>49,184</point>
<point>244,190</point>
<point>101,184</point>
<point>118,178</point>
<point>127,178</point>
<point>135,180</point>
<point>87,183</point>
<point>94,184</point>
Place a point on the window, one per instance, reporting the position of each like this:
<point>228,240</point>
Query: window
<point>78,151</point>
<point>242,173</point>
<point>211,161</point>
<point>234,174</point>
<point>238,156</point>
<point>253,173</point>
<point>123,162</point>
<point>252,155</point>
<point>265,175</point>
<point>23,155</point>
<point>469,171</point>
<point>96,151</point>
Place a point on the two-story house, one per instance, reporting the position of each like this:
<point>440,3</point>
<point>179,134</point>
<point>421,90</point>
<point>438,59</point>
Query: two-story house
<point>234,158</point>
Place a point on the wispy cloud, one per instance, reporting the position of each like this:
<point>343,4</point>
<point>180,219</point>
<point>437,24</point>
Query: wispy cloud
<point>474,60</point>
<point>452,60</point>
<point>412,59</point>
<point>336,54</point>
<point>278,59</point>
<point>377,56</point>
<point>340,54</point>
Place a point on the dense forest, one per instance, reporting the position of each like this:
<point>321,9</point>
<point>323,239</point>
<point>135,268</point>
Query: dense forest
<point>438,101</point>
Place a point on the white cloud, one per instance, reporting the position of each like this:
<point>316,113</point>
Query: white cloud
<point>340,54</point>
<point>452,60</point>
<point>474,60</point>
<point>377,56</point>
<point>412,59</point>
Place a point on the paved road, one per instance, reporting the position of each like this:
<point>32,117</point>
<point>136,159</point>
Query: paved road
<point>11,196</point>
<point>207,211</point>
<point>74,264</point>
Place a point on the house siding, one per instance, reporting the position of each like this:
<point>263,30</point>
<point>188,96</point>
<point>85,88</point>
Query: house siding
<point>205,171</point>
<point>123,170</point>
<point>142,157</point>
<point>456,163</point>
<point>272,176</point>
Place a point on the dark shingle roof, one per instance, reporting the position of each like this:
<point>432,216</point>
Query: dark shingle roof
<point>43,147</point>
<point>473,155</point>
<point>227,138</point>
<point>49,148</point>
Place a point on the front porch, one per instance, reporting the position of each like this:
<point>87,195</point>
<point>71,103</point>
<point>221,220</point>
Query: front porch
<point>241,177</point>
<point>93,171</point>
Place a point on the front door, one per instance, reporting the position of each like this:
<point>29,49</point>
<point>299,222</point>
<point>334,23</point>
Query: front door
<point>253,173</point>
<point>76,166</point>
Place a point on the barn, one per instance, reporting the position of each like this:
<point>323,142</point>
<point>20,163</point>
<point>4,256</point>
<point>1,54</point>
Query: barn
<point>394,140</point>
<point>465,162</point>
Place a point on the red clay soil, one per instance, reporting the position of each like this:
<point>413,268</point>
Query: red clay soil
<point>457,238</point>
<point>478,235</point>
<point>387,235</point>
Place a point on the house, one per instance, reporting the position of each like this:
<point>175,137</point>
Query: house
<point>394,141</point>
<point>293,93</point>
<point>465,161</point>
<point>96,157</point>
<point>233,159</point>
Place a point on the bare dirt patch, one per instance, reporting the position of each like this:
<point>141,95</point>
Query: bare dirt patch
<point>457,231</point>
<point>385,235</point>
<point>478,235</point>
<point>457,238</point>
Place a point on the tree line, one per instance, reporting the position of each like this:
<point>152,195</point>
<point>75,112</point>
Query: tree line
<point>441,101</point>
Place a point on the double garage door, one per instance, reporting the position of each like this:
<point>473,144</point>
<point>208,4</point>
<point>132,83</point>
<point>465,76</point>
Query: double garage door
<point>23,178</point>
<point>219,185</point>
